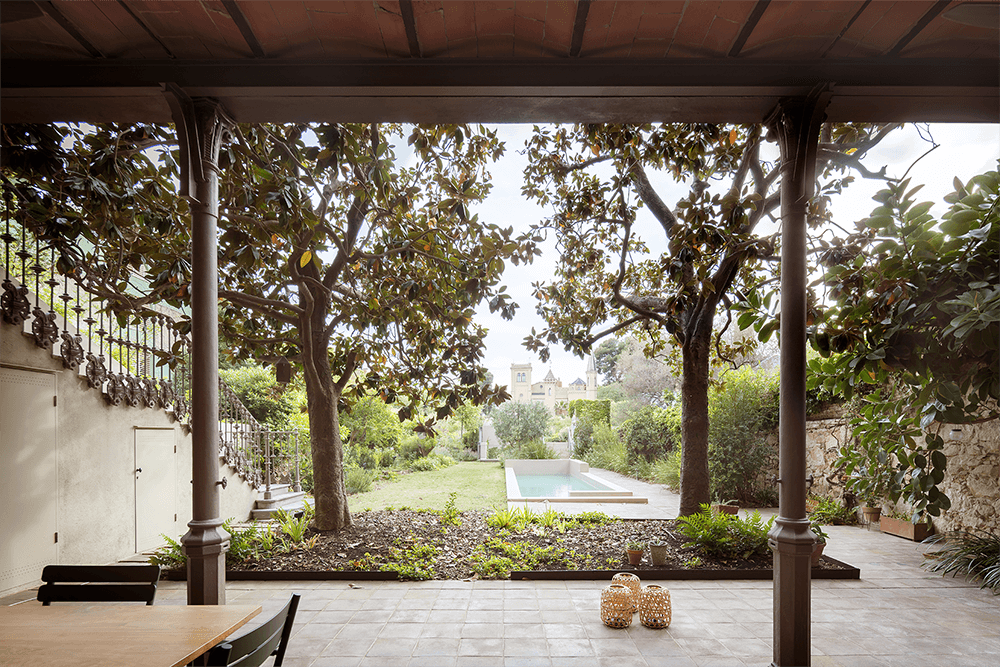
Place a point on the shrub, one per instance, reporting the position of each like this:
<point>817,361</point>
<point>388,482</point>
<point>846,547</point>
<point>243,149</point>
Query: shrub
<point>516,423</point>
<point>973,554</point>
<point>370,423</point>
<point>534,449</point>
<point>832,512</point>
<point>583,439</point>
<point>743,410</point>
<point>608,451</point>
<point>413,447</point>
<point>651,433</point>
<point>726,535</point>
<point>358,480</point>
<point>431,462</point>
<point>667,471</point>
<point>261,394</point>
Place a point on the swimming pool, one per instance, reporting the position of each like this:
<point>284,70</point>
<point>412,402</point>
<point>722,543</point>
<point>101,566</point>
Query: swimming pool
<point>561,481</point>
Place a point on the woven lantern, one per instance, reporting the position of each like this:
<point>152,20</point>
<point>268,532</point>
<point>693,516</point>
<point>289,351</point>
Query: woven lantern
<point>616,606</point>
<point>632,582</point>
<point>654,607</point>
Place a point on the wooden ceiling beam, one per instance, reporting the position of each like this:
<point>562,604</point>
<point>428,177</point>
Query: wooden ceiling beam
<point>579,28</point>
<point>70,29</point>
<point>241,22</point>
<point>410,26</point>
<point>748,27</point>
<point>144,26</point>
<point>928,16</point>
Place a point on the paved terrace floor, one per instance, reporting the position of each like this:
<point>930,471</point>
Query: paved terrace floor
<point>897,614</point>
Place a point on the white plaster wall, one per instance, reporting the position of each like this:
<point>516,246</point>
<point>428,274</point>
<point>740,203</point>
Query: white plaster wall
<point>95,463</point>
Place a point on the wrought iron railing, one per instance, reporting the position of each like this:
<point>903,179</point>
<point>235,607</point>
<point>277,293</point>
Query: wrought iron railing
<point>138,359</point>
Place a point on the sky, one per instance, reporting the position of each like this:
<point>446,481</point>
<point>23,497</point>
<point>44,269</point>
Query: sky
<point>965,150</point>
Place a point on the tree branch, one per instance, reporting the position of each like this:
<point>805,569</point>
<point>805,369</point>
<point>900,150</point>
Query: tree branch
<point>269,307</point>
<point>660,211</point>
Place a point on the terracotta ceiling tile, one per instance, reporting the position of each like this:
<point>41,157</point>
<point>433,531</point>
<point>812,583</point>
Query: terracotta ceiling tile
<point>658,26</point>
<point>494,18</point>
<point>463,48</point>
<point>529,34</point>
<point>108,24</point>
<point>896,22</point>
<point>735,10</point>
<point>495,46</point>
<point>595,36</point>
<point>390,23</point>
<point>459,21</point>
<point>721,36</point>
<point>559,22</point>
<point>228,41</point>
<point>41,38</point>
<point>428,17</point>
<point>694,25</point>
<point>531,9</point>
<point>648,48</point>
<point>942,37</point>
<point>266,27</point>
<point>623,27</point>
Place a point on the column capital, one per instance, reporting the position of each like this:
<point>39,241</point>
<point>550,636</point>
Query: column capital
<point>202,125</point>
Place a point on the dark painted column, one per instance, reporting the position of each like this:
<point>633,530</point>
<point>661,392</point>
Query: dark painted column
<point>795,124</point>
<point>202,125</point>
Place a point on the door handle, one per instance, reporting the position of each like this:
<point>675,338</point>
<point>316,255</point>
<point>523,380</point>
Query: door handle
<point>138,470</point>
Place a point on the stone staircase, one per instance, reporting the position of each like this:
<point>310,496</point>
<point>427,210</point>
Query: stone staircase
<point>283,496</point>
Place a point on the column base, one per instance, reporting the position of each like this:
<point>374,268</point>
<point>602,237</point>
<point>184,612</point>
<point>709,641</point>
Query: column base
<point>205,546</point>
<point>792,543</point>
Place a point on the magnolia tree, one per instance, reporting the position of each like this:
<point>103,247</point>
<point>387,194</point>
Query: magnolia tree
<point>913,316</point>
<point>362,266</point>
<point>632,264</point>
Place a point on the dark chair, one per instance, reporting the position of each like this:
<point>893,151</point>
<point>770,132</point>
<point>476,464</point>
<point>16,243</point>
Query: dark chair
<point>98,583</point>
<point>254,647</point>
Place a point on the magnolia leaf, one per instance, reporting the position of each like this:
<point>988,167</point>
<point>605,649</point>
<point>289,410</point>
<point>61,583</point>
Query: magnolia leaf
<point>304,259</point>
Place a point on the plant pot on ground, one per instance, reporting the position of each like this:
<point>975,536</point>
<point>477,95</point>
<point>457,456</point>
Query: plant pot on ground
<point>918,532</point>
<point>728,507</point>
<point>821,538</point>
<point>870,515</point>
<point>634,552</point>
<point>658,553</point>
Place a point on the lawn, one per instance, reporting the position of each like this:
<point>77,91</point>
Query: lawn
<point>480,486</point>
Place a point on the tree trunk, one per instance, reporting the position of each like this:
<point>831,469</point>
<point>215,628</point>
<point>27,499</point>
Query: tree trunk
<point>694,420</point>
<point>327,448</point>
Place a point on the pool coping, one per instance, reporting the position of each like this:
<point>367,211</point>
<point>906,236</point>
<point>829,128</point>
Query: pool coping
<point>614,493</point>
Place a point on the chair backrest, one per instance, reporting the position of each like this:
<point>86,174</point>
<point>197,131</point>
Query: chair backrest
<point>255,646</point>
<point>98,583</point>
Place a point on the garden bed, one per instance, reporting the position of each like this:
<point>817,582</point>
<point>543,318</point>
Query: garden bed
<point>412,544</point>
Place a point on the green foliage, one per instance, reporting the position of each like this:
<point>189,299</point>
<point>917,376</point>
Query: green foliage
<point>589,415</point>
<point>830,512</point>
<point>431,462</point>
<point>608,451</point>
<point>496,557</point>
<point>170,556</point>
<point>915,313</point>
<point>743,410</point>
<point>295,529</point>
<point>974,554</point>
<point>358,480</point>
<point>606,359</point>
<point>517,423</point>
<point>371,424</point>
<point>726,535</point>
<point>667,471</point>
<point>413,447</point>
<point>261,394</point>
<point>533,449</point>
<point>651,433</point>
<point>450,515</point>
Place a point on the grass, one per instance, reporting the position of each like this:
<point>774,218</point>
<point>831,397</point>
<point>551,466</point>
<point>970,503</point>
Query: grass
<point>478,485</point>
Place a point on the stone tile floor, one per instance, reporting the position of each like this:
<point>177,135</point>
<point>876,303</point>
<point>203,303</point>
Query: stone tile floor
<point>897,614</point>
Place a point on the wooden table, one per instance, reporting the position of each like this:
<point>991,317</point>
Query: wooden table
<point>108,635</point>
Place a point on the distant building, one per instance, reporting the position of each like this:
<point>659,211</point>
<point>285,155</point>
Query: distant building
<point>550,391</point>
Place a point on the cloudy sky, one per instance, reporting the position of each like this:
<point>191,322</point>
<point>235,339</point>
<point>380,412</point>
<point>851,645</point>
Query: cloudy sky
<point>964,151</point>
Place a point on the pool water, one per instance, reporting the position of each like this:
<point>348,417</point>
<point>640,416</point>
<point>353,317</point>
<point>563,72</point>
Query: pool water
<point>553,486</point>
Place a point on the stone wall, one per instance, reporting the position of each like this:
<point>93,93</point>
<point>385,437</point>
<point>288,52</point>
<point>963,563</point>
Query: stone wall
<point>972,481</point>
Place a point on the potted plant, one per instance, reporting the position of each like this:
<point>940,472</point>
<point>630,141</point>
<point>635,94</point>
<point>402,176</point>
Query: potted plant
<point>821,538</point>
<point>658,553</point>
<point>634,551</point>
<point>728,507</point>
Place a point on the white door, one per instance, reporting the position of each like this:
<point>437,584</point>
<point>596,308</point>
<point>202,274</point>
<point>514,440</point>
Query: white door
<point>155,487</point>
<point>27,476</point>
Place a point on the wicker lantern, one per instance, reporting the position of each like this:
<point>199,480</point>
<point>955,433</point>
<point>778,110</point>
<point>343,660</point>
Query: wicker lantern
<point>654,607</point>
<point>616,606</point>
<point>632,582</point>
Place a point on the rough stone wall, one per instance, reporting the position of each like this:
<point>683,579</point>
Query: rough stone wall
<point>972,481</point>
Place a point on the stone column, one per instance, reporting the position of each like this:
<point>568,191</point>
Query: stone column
<point>795,124</point>
<point>202,124</point>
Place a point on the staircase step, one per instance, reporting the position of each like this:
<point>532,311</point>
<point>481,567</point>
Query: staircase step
<point>291,502</point>
<point>276,489</point>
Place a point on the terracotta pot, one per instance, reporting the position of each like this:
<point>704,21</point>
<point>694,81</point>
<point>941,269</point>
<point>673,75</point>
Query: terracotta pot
<point>726,509</point>
<point>870,514</point>
<point>634,556</point>
<point>658,553</point>
<point>817,552</point>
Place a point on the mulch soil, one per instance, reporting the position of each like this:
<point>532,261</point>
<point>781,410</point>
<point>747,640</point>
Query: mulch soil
<point>377,538</point>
